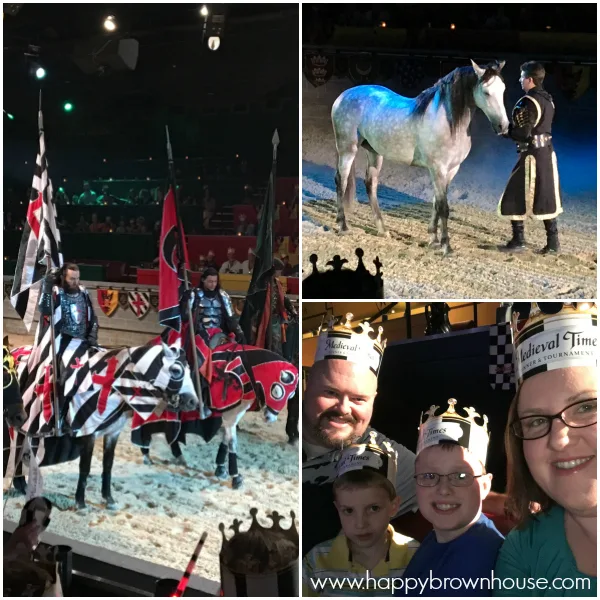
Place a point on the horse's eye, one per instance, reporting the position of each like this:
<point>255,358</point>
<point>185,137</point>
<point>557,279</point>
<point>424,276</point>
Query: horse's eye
<point>277,391</point>
<point>177,371</point>
<point>286,377</point>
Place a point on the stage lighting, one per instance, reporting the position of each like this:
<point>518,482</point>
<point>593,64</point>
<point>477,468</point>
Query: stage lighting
<point>214,42</point>
<point>109,23</point>
<point>40,72</point>
<point>204,11</point>
<point>10,116</point>
<point>67,107</point>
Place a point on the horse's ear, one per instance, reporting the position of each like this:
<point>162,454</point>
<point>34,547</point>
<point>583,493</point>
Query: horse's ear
<point>478,70</point>
<point>501,65</point>
<point>168,351</point>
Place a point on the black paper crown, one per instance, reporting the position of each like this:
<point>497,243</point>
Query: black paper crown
<point>340,283</point>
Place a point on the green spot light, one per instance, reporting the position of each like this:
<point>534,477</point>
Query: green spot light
<point>68,107</point>
<point>40,72</point>
<point>11,117</point>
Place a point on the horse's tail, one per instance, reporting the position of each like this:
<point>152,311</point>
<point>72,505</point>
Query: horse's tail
<point>349,199</point>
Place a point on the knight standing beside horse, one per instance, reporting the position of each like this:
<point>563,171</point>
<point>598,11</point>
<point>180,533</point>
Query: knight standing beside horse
<point>431,131</point>
<point>533,188</point>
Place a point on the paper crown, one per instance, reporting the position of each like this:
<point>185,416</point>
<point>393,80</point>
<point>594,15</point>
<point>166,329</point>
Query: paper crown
<point>452,427</point>
<point>341,342</point>
<point>369,456</point>
<point>262,561</point>
<point>544,342</point>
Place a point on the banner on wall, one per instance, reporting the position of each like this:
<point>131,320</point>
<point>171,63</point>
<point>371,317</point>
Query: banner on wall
<point>108,301</point>
<point>318,67</point>
<point>363,68</point>
<point>139,303</point>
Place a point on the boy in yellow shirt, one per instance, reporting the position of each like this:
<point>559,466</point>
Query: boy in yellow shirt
<point>367,554</point>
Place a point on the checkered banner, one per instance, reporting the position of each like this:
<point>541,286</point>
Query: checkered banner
<point>502,372</point>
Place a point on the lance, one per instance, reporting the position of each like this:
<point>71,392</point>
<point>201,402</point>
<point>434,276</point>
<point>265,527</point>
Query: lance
<point>57,424</point>
<point>186,285</point>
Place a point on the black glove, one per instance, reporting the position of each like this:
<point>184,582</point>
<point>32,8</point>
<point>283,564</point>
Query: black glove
<point>92,340</point>
<point>239,336</point>
<point>186,296</point>
<point>52,278</point>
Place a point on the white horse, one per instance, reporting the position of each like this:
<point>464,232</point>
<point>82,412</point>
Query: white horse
<point>431,130</point>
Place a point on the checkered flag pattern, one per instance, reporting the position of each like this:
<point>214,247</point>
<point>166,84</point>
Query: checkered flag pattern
<point>502,372</point>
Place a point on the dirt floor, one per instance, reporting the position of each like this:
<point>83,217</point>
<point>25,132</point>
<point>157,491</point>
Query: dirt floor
<point>164,508</point>
<point>476,269</point>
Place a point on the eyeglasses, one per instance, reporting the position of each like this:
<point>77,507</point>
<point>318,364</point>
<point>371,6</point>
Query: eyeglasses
<point>455,479</point>
<point>580,414</point>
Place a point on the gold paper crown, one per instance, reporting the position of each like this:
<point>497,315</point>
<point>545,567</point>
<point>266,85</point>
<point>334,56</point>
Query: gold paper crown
<point>370,455</point>
<point>365,326</point>
<point>536,315</point>
<point>446,427</point>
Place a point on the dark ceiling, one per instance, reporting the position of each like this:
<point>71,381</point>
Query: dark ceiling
<point>250,84</point>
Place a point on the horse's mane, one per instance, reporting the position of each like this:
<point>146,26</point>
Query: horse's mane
<point>456,93</point>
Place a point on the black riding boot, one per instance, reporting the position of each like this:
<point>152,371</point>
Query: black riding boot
<point>552,244</point>
<point>517,243</point>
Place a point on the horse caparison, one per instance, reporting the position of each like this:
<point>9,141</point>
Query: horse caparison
<point>428,131</point>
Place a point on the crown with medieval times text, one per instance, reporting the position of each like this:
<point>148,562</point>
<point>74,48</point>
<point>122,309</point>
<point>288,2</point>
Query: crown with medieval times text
<point>452,427</point>
<point>382,459</point>
<point>340,283</point>
<point>343,343</point>
<point>262,561</point>
<point>554,335</point>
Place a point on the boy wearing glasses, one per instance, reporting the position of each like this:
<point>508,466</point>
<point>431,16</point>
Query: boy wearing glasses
<point>451,485</point>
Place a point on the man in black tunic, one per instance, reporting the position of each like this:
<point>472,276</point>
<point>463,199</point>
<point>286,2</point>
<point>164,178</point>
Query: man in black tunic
<point>533,188</point>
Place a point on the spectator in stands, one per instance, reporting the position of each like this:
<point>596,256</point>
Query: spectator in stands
<point>231,265</point>
<point>210,260</point>
<point>157,226</point>
<point>209,206</point>
<point>132,227</point>
<point>82,225</point>
<point>89,197</point>
<point>248,264</point>
<point>95,225</point>
<point>109,226</point>
<point>61,196</point>
<point>107,198</point>
<point>293,207</point>
<point>244,228</point>
<point>75,199</point>
<point>121,227</point>
<point>132,196</point>
<point>145,198</point>
<point>141,225</point>
<point>202,265</point>
<point>288,269</point>
<point>8,222</point>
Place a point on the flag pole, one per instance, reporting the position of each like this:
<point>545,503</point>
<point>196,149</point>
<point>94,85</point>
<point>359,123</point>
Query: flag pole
<point>51,324</point>
<point>186,285</point>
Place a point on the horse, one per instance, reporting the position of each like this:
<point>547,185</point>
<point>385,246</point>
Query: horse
<point>431,130</point>
<point>240,378</point>
<point>98,388</point>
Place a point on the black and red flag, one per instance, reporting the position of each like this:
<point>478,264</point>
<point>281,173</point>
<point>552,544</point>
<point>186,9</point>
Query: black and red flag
<point>170,265</point>
<point>41,239</point>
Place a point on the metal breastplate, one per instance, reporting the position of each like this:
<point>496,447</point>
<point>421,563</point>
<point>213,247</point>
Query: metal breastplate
<point>74,314</point>
<point>210,312</point>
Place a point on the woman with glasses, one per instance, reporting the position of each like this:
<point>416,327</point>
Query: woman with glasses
<point>551,444</point>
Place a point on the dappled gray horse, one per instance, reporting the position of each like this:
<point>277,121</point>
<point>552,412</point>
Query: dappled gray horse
<point>431,130</point>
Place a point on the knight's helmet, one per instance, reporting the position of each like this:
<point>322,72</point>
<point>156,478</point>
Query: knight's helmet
<point>262,561</point>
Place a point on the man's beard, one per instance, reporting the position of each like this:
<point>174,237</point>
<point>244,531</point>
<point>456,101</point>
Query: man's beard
<point>70,289</point>
<point>332,441</point>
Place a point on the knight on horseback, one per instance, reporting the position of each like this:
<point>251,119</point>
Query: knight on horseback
<point>212,310</point>
<point>77,313</point>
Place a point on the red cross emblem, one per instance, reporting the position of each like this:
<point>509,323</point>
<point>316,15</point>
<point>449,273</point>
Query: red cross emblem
<point>78,364</point>
<point>106,382</point>
<point>138,304</point>
<point>45,391</point>
<point>34,212</point>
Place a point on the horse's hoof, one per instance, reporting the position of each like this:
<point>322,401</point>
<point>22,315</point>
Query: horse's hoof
<point>237,482</point>
<point>14,492</point>
<point>111,504</point>
<point>221,472</point>
<point>435,244</point>
<point>148,460</point>
<point>446,251</point>
<point>344,231</point>
<point>80,505</point>
<point>180,460</point>
<point>293,442</point>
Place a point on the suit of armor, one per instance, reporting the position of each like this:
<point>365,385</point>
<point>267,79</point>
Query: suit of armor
<point>214,310</point>
<point>77,315</point>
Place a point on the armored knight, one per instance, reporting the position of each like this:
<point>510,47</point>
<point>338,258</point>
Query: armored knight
<point>212,308</point>
<point>533,188</point>
<point>77,313</point>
